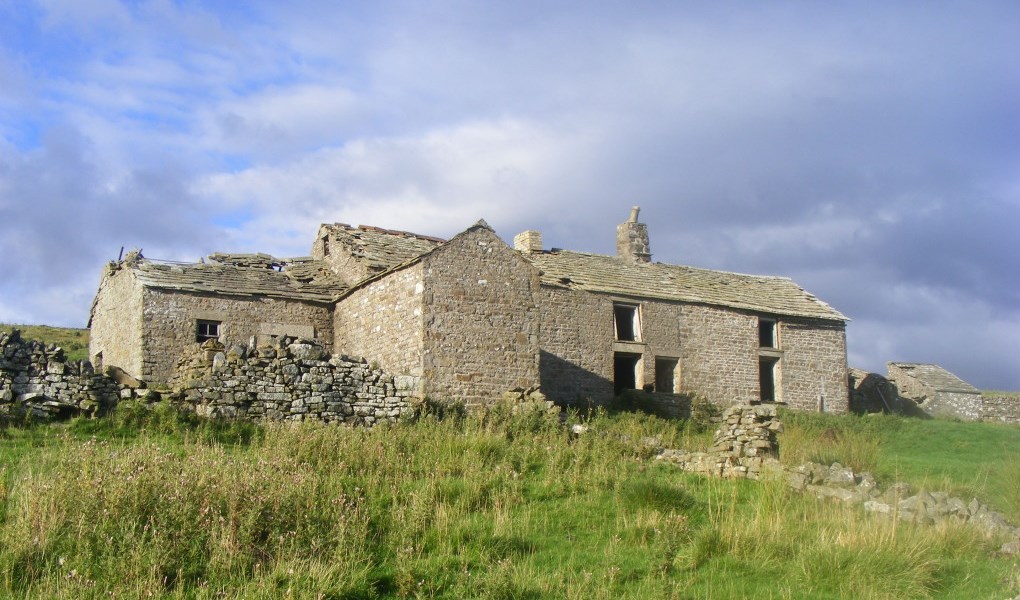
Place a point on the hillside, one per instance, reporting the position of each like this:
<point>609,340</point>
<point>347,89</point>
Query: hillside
<point>75,342</point>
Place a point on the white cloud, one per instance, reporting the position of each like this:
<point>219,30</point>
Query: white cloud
<point>439,183</point>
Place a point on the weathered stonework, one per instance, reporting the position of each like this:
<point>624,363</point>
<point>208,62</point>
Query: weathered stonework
<point>293,380</point>
<point>383,320</point>
<point>813,365</point>
<point>936,391</point>
<point>481,319</point>
<point>746,446</point>
<point>576,361</point>
<point>1000,408</point>
<point>116,328</point>
<point>472,317</point>
<point>36,380</point>
<point>169,323</point>
<point>719,354</point>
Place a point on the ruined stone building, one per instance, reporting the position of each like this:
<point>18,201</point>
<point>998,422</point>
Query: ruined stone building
<point>471,317</point>
<point>935,390</point>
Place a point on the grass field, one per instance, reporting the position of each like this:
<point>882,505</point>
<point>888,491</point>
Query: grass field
<point>75,342</point>
<point>153,503</point>
<point>497,506</point>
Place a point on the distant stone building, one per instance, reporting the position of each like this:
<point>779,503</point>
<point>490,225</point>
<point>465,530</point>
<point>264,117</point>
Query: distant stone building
<point>471,317</point>
<point>936,391</point>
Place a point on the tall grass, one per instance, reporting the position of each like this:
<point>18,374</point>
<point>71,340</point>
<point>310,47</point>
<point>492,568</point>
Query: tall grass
<point>482,506</point>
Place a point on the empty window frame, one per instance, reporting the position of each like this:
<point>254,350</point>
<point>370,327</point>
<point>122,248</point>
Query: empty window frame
<point>625,371</point>
<point>207,330</point>
<point>625,322</point>
<point>768,378</point>
<point>666,380</point>
<point>767,333</point>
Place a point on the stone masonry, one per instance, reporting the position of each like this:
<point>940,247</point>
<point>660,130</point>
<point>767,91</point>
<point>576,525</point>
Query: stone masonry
<point>1000,408</point>
<point>471,317</point>
<point>36,380</point>
<point>289,379</point>
<point>745,446</point>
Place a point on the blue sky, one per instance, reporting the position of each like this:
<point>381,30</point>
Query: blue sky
<point>870,151</point>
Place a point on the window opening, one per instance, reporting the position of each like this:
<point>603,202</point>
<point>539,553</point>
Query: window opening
<point>768,371</point>
<point>207,330</point>
<point>766,333</point>
<point>625,371</point>
<point>625,318</point>
<point>665,375</point>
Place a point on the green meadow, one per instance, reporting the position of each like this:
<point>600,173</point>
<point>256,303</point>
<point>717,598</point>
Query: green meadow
<point>153,503</point>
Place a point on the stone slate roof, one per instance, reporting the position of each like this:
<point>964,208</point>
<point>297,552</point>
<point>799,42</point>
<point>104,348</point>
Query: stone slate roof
<point>937,378</point>
<point>382,249</point>
<point>613,275</point>
<point>244,275</point>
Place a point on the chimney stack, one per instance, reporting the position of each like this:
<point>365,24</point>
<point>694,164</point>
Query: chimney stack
<point>632,239</point>
<point>528,241</point>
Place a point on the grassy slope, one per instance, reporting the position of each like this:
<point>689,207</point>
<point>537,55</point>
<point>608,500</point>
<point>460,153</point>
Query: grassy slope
<point>968,459</point>
<point>75,342</point>
<point>496,508</point>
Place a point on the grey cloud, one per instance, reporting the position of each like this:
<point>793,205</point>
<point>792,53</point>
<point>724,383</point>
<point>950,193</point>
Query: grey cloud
<point>63,214</point>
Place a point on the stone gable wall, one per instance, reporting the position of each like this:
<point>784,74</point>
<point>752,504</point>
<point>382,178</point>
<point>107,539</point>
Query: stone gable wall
<point>115,330</point>
<point>383,321</point>
<point>577,347</point>
<point>293,380</point>
<point>169,324</point>
<point>38,381</point>
<point>481,320</point>
<point>814,365</point>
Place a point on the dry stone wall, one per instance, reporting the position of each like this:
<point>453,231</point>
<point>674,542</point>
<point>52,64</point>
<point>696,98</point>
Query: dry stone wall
<point>290,379</point>
<point>36,380</point>
<point>746,446</point>
<point>170,317</point>
<point>743,446</point>
<point>1000,408</point>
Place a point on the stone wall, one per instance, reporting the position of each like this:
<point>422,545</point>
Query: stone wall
<point>814,365</point>
<point>481,319</point>
<point>340,259</point>
<point>577,347</point>
<point>719,354</point>
<point>170,317</point>
<point>291,380</point>
<point>957,405</point>
<point>115,326</point>
<point>1001,408</point>
<point>744,446</point>
<point>38,381</point>
<point>383,321</point>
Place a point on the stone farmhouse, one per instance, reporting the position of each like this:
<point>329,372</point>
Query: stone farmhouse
<point>471,317</point>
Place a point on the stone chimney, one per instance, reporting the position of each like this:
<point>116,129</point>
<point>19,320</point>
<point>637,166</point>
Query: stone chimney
<point>632,239</point>
<point>528,241</point>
